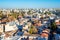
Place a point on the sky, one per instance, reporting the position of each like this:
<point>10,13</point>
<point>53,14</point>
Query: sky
<point>29,3</point>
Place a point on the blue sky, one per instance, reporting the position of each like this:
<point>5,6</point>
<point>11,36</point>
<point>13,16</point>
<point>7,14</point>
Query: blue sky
<point>29,3</point>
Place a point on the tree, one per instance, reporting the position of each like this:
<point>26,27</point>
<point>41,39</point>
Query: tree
<point>53,25</point>
<point>1,14</point>
<point>47,13</point>
<point>29,12</point>
<point>33,30</point>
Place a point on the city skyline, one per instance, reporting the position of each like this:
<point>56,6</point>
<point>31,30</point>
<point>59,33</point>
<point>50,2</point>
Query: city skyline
<point>29,3</point>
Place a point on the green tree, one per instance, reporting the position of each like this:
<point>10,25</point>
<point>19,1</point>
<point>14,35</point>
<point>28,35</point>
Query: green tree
<point>33,30</point>
<point>1,15</point>
<point>53,25</point>
<point>47,13</point>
